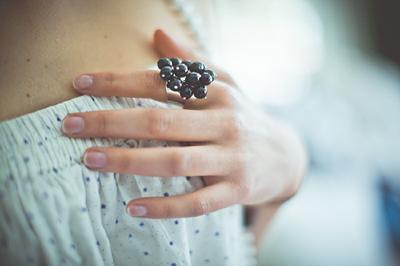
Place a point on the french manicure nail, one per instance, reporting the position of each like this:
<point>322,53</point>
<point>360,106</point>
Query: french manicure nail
<point>82,82</point>
<point>137,210</point>
<point>95,159</point>
<point>72,124</point>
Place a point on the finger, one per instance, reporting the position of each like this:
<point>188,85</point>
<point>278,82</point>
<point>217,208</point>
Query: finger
<point>149,123</point>
<point>167,47</point>
<point>219,95</point>
<point>139,84</point>
<point>202,160</point>
<point>200,202</point>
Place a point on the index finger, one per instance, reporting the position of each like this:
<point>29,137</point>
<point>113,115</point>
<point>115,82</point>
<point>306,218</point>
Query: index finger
<point>139,84</point>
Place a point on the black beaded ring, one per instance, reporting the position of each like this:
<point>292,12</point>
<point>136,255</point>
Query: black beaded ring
<point>187,78</point>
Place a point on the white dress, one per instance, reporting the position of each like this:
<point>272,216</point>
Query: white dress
<point>55,211</point>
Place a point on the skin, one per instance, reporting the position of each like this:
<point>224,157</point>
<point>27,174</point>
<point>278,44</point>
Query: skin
<point>243,155</point>
<point>45,43</point>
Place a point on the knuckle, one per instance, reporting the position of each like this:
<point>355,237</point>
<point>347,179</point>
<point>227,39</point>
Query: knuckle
<point>201,206</point>
<point>240,164</point>
<point>167,211</point>
<point>158,122</point>
<point>124,163</point>
<point>110,79</point>
<point>234,126</point>
<point>153,79</point>
<point>101,123</point>
<point>179,163</point>
<point>223,89</point>
<point>225,94</point>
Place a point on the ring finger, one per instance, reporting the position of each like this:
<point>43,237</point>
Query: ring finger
<point>139,84</point>
<point>202,160</point>
<point>149,123</point>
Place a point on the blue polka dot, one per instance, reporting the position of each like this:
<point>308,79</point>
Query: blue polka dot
<point>173,264</point>
<point>116,221</point>
<point>83,209</point>
<point>130,235</point>
<point>87,179</point>
<point>146,253</point>
<point>207,260</point>
<point>58,119</point>
<point>26,159</point>
<point>197,231</point>
<point>190,252</point>
<point>55,170</point>
<point>216,234</point>
<point>98,243</point>
<point>124,203</point>
<point>145,189</point>
<point>176,222</point>
<point>141,224</point>
<point>103,206</point>
<point>166,194</point>
<point>29,216</point>
<point>171,243</point>
<point>40,143</point>
<point>26,141</point>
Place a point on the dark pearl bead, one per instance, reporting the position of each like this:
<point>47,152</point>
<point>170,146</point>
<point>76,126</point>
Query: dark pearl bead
<point>212,73</point>
<point>187,63</point>
<point>197,67</point>
<point>200,92</point>
<point>192,78</point>
<point>180,70</point>
<point>206,79</point>
<point>186,91</point>
<point>174,84</point>
<point>175,61</point>
<point>164,62</point>
<point>166,73</point>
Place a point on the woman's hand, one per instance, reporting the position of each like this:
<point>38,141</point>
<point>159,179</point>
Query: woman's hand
<point>243,155</point>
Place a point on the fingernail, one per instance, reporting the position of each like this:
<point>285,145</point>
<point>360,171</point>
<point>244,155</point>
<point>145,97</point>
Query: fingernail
<point>95,159</point>
<point>137,210</point>
<point>82,82</point>
<point>72,124</point>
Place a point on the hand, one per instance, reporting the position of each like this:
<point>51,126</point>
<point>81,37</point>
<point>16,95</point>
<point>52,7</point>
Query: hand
<point>243,155</point>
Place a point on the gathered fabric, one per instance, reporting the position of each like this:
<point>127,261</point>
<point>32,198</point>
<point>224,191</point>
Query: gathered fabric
<point>55,211</point>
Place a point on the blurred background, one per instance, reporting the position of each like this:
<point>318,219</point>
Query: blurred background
<point>331,68</point>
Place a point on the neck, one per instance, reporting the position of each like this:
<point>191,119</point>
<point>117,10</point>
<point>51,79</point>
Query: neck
<point>46,43</point>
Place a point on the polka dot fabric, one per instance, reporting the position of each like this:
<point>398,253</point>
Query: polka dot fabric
<point>55,211</point>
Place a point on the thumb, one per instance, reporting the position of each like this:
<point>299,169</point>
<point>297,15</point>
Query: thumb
<point>165,46</point>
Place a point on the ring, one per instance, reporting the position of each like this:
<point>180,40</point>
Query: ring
<point>186,77</point>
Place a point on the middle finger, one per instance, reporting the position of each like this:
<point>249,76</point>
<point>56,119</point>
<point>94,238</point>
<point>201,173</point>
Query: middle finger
<point>148,123</point>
